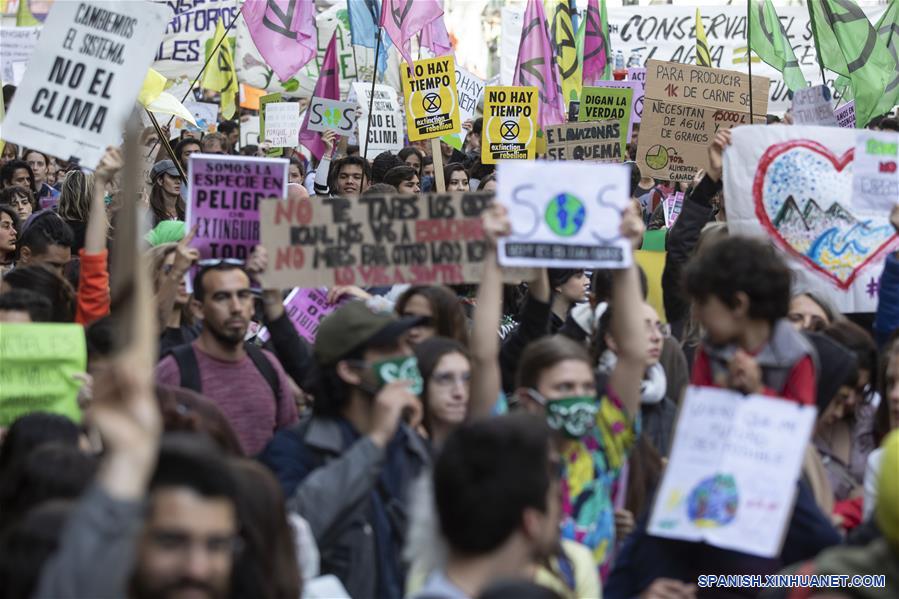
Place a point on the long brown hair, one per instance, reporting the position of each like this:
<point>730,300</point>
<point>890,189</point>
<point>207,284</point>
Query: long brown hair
<point>447,313</point>
<point>75,197</point>
<point>157,202</point>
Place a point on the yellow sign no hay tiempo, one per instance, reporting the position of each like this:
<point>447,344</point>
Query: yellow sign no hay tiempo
<point>510,124</point>
<point>432,104</point>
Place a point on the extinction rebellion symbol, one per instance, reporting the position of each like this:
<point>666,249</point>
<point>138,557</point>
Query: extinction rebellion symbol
<point>431,102</point>
<point>509,130</point>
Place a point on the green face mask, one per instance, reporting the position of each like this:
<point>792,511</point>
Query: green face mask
<point>573,416</point>
<point>404,368</point>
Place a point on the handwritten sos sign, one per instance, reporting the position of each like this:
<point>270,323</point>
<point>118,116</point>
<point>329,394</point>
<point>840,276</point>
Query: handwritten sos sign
<point>332,114</point>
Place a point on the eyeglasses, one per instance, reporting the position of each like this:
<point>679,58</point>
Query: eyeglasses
<point>424,321</point>
<point>214,262</point>
<point>447,379</point>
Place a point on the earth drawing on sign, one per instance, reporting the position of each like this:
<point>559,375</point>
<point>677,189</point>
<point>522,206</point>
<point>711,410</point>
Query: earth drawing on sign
<point>713,502</point>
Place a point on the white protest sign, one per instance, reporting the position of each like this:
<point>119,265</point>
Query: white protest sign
<point>16,47</point>
<point>282,124</point>
<point>471,94</point>
<point>638,75</point>
<point>732,474</point>
<point>249,131</point>
<point>811,106</point>
<point>793,187</point>
<point>332,114</point>
<point>875,179</point>
<point>561,217</point>
<point>84,77</point>
<point>386,133</point>
<point>189,34</point>
<point>845,115</point>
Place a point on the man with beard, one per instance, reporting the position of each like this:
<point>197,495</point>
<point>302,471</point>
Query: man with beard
<point>497,491</point>
<point>247,383</point>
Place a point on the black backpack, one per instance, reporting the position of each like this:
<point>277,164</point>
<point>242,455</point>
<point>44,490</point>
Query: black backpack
<point>190,370</point>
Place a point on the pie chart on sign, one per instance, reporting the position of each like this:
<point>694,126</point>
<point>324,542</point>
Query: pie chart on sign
<point>657,157</point>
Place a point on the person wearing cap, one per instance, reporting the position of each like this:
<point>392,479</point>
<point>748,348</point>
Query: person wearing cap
<point>348,468</point>
<point>166,202</point>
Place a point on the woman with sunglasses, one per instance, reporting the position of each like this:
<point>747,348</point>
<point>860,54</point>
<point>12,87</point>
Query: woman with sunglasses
<point>440,309</point>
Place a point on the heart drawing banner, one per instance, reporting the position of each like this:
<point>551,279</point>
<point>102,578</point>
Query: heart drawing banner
<point>794,186</point>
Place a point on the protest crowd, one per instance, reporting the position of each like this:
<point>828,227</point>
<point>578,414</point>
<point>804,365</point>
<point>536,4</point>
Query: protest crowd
<point>449,338</point>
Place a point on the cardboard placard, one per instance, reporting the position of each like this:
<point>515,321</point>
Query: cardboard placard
<point>37,361</point>
<point>510,124</point>
<point>332,114</point>
<point>593,142</point>
<point>431,101</point>
<point>16,47</point>
<point>875,178</point>
<point>811,106</point>
<point>846,115</point>
<point>282,124</point>
<point>564,214</point>
<point>608,101</point>
<point>685,105</point>
<point>374,240</point>
<point>386,132</point>
<point>733,465</point>
<point>83,78</point>
<point>225,193</point>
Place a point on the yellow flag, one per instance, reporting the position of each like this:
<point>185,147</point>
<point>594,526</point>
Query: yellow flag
<point>565,47</point>
<point>220,75</point>
<point>703,58</point>
<point>24,18</point>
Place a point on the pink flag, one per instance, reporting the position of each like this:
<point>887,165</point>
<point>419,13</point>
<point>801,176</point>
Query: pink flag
<point>284,33</point>
<point>327,86</point>
<point>404,19</point>
<point>537,66</point>
<point>596,54</point>
<point>435,37</point>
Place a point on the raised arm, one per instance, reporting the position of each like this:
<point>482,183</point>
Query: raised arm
<point>627,324</point>
<point>486,377</point>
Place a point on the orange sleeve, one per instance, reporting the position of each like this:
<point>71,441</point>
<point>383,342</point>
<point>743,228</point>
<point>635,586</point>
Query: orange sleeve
<point>93,288</point>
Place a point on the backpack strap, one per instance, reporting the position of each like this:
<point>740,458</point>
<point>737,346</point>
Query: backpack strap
<point>266,369</point>
<point>188,367</point>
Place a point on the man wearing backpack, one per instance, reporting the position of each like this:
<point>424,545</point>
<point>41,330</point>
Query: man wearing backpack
<point>247,383</point>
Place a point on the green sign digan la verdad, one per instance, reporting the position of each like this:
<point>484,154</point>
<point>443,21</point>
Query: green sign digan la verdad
<point>608,104</point>
<point>38,361</point>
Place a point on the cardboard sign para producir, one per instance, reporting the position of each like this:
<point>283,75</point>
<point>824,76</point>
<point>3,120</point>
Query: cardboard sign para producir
<point>734,465</point>
<point>564,214</point>
<point>510,124</point>
<point>83,78</point>
<point>225,193</point>
<point>374,240</point>
<point>431,101</point>
<point>685,105</point>
<point>38,361</point>
<point>593,142</point>
<point>332,114</point>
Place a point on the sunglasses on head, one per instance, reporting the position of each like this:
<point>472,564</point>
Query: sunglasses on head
<point>213,262</point>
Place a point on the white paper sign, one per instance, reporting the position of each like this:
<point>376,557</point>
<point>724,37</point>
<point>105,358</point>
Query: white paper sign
<point>793,187</point>
<point>471,94</point>
<point>875,180</point>
<point>249,132</point>
<point>637,75</point>
<point>732,473</point>
<point>83,78</point>
<point>846,115</point>
<point>811,106</point>
<point>282,124</point>
<point>16,46</point>
<point>189,34</point>
<point>386,132</point>
<point>332,114</point>
<point>564,214</point>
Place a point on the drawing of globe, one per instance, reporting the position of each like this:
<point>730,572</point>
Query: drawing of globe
<point>657,157</point>
<point>713,502</point>
<point>565,215</point>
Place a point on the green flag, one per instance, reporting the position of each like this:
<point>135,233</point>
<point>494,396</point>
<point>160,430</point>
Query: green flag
<point>848,45</point>
<point>888,32</point>
<point>769,40</point>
